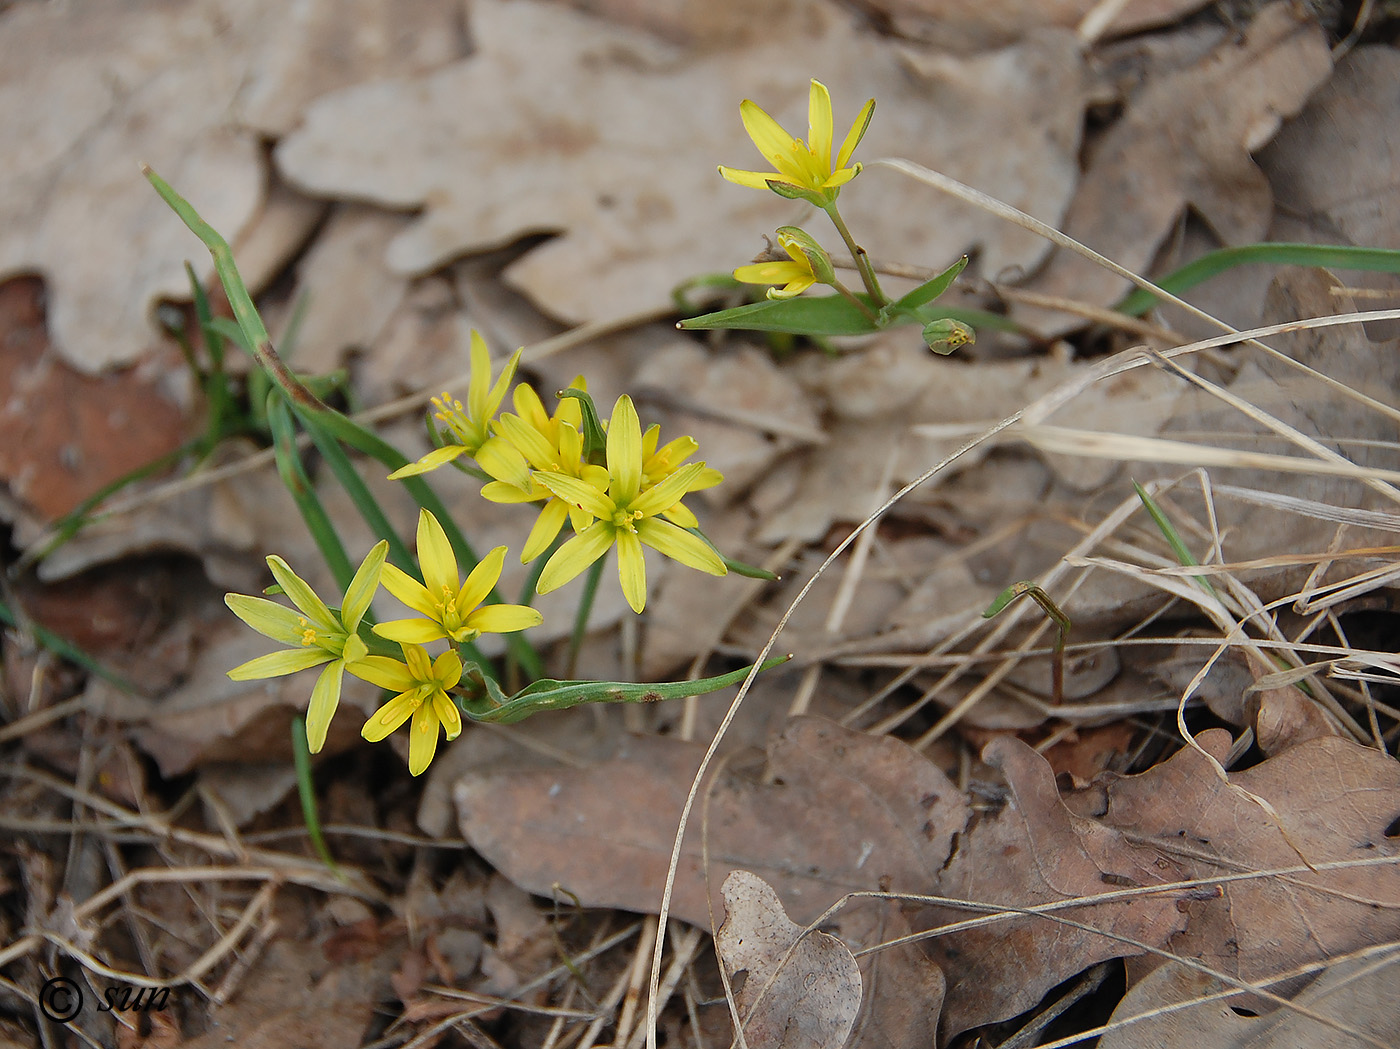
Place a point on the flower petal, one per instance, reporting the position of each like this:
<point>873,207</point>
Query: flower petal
<point>325,697</point>
<point>854,136</point>
<point>681,515</point>
<point>624,452</point>
<point>669,492</point>
<point>388,717</point>
<point>481,581</point>
<point>408,590</point>
<point>422,739</point>
<point>680,545</point>
<point>435,558</point>
<point>302,595</point>
<point>768,135</point>
<point>545,529</point>
<point>530,442</point>
<point>580,493</point>
<point>576,555</point>
<point>751,179</point>
<point>411,631</point>
<point>447,714</point>
<point>632,570</point>
<point>437,457</point>
<point>774,273</point>
<point>279,664</point>
<point>503,461</point>
<point>268,618</point>
<point>384,672</point>
<point>363,586</point>
<point>819,124</point>
<point>504,619</point>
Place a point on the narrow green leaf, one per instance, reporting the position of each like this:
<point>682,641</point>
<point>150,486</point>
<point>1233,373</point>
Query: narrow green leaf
<point>1335,256</point>
<point>817,315</point>
<point>1173,537</point>
<point>547,694</point>
<point>931,289</point>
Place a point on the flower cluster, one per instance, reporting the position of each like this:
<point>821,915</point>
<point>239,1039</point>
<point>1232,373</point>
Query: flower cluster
<point>612,483</point>
<point>449,608</point>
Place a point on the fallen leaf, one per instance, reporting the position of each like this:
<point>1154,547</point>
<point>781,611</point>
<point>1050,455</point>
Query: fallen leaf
<point>1037,851</point>
<point>1186,139</point>
<point>974,24</point>
<point>63,435</point>
<point>1356,993</point>
<point>845,811</point>
<point>92,92</point>
<point>610,138</point>
<point>798,990</point>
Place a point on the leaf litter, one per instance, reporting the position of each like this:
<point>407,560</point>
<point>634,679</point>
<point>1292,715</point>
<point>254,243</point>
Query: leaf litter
<point>1153,856</point>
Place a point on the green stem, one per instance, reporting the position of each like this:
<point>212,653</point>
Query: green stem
<point>851,296</point>
<point>294,478</point>
<point>301,756</point>
<point>862,260</point>
<point>585,609</point>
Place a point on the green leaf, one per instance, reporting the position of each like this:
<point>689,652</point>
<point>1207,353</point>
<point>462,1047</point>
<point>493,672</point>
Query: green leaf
<point>817,315</point>
<point>595,438</point>
<point>930,289</point>
<point>547,694</point>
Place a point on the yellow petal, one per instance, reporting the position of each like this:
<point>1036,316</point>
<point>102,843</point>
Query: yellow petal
<point>632,570</point>
<point>772,141</point>
<point>624,452</point>
<point>576,555</point>
<point>854,136</point>
<point>408,590</point>
<point>435,558</point>
<point>388,717</point>
<point>422,739</point>
<point>545,529</point>
<point>279,664</point>
<point>579,493</point>
<point>481,581</point>
<point>411,631</point>
<point>679,545</point>
<point>819,125</point>
<point>325,697</point>
<point>752,179</point>
<point>668,492</point>
<point>437,457</point>
<point>504,619</point>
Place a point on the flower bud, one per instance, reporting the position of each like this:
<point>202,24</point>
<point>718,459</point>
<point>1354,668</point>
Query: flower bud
<point>798,241</point>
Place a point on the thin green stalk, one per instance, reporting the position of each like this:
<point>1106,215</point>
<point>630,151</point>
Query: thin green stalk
<point>846,292</point>
<point>313,410</point>
<point>862,260</point>
<point>1173,537</point>
<point>360,495</point>
<point>585,609</point>
<point>293,474</point>
<point>306,791</point>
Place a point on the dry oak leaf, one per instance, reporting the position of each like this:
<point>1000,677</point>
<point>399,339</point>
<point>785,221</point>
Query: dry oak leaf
<point>1186,139</point>
<point>1037,851</point>
<point>87,91</point>
<point>799,991</point>
<point>1338,802</point>
<point>844,811</point>
<point>563,123</point>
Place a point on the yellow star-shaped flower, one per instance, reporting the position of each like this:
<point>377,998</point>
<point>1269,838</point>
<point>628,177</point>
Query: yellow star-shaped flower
<point>422,685</point>
<point>802,169</point>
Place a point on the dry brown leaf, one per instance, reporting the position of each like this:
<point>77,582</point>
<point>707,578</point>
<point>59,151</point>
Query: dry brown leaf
<point>1036,851</point>
<point>570,124</point>
<point>966,24</point>
<point>1357,992</point>
<point>91,92</point>
<point>1186,139</point>
<point>1337,802</point>
<point>64,435</point>
<point>798,990</point>
<point>1334,167</point>
<point>845,811</point>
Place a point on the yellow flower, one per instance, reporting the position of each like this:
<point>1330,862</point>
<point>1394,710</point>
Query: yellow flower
<point>448,605</point>
<point>317,635</point>
<point>803,169</point>
<point>660,463</point>
<point>626,515</point>
<point>422,686</point>
<point>470,425</point>
<point>797,275</point>
<point>535,440</point>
